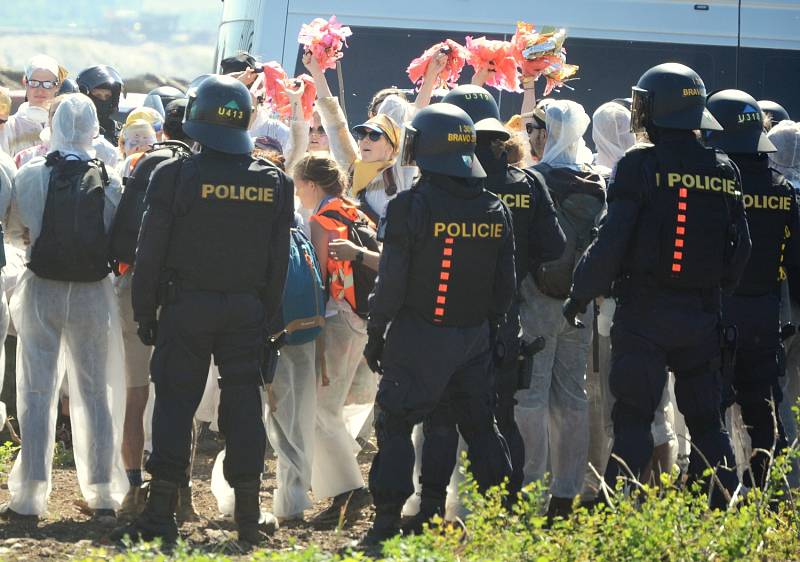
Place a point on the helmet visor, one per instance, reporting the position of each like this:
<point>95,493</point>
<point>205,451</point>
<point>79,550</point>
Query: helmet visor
<point>408,154</point>
<point>641,109</point>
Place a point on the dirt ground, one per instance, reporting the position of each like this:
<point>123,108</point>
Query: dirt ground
<point>67,531</point>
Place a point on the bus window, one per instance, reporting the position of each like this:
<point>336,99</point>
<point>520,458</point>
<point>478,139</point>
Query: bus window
<point>379,59</point>
<point>234,36</point>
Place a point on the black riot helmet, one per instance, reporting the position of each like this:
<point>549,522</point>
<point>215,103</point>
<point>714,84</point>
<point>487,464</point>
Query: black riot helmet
<point>775,111</point>
<point>173,119</point>
<point>482,108</point>
<point>195,83</point>
<point>102,76</point>
<point>166,94</point>
<point>441,139</point>
<point>743,123</point>
<point>69,86</point>
<point>670,96</point>
<point>218,115</point>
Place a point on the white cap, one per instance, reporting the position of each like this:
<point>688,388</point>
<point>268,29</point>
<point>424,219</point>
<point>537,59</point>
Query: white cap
<point>42,62</point>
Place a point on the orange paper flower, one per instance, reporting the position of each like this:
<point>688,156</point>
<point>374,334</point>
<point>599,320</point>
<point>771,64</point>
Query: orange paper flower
<point>497,56</point>
<point>276,83</point>
<point>456,58</point>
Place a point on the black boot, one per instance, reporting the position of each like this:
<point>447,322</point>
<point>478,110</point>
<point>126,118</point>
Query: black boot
<point>158,518</point>
<point>385,526</point>
<point>559,508</point>
<point>428,509</point>
<point>254,525</point>
<point>345,508</point>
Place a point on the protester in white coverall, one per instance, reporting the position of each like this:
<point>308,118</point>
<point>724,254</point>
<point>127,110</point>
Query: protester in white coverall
<point>81,318</point>
<point>41,81</point>
<point>105,151</point>
<point>7,172</point>
<point>553,414</point>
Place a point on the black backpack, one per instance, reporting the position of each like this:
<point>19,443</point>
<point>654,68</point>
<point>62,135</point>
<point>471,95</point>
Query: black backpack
<point>362,234</point>
<point>578,211</point>
<point>128,218</point>
<point>73,244</point>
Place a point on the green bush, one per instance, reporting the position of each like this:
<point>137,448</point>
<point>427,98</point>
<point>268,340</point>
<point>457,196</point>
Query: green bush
<point>665,523</point>
<point>8,452</point>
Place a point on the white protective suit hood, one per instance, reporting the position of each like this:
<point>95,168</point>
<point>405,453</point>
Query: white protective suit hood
<point>397,108</point>
<point>611,132</point>
<point>74,127</point>
<point>786,138</point>
<point>566,122</point>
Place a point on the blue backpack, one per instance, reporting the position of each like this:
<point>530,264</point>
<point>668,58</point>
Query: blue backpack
<point>303,305</point>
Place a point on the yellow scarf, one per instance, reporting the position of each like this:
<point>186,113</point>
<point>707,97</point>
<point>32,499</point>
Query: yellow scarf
<point>365,172</point>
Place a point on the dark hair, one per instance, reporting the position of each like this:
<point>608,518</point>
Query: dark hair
<point>380,95</point>
<point>272,156</point>
<point>323,171</point>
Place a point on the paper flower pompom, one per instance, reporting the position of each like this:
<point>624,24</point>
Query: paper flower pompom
<point>498,56</point>
<point>325,40</point>
<point>456,58</point>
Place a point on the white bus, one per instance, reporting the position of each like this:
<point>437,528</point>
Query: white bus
<point>750,44</point>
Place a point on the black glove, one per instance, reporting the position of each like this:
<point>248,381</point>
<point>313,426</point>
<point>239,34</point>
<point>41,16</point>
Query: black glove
<point>373,351</point>
<point>571,308</point>
<point>147,332</point>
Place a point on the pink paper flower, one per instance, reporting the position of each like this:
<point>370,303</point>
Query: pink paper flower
<point>325,40</point>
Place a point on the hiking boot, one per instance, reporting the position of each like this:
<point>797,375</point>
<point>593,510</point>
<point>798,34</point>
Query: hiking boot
<point>254,525</point>
<point>185,511</point>
<point>559,508</point>
<point>385,526</point>
<point>8,514</point>
<point>104,516</point>
<point>133,503</point>
<point>345,508</point>
<point>158,518</point>
<point>428,509</point>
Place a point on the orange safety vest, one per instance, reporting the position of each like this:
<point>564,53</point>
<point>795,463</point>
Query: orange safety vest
<point>340,272</point>
<point>123,267</point>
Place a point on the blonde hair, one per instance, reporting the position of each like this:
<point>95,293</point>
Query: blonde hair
<point>322,170</point>
<point>136,126</point>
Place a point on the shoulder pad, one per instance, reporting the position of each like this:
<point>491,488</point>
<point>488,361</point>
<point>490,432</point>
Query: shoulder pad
<point>627,179</point>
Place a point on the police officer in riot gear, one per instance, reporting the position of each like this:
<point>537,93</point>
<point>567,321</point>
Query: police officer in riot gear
<point>212,254</point>
<point>675,236</point>
<point>104,85</point>
<point>69,86</point>
<point>446,272</point>
<point>166,95</point>
<point>754,307</point>
<point>537,238</point>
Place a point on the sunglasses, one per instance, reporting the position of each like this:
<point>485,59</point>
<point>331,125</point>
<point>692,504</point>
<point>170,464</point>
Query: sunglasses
<point>46,84</point>
<point>374,136</point>
<point>3,121</point>
<point>317,130</point>
<point>531,127</point>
